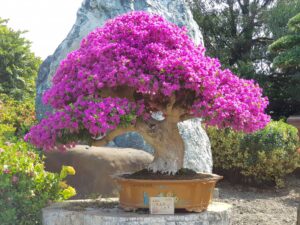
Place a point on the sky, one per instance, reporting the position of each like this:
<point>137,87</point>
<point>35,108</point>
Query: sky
<point>47,21</point>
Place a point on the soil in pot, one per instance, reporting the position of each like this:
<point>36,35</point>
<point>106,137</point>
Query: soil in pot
<point>182,174</point>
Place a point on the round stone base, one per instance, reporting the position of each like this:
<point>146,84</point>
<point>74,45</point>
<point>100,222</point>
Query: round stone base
<point>106,212</point>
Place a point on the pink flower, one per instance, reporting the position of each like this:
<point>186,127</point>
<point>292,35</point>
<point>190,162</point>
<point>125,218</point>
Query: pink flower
<point>14,179</point>
<point>155,60</point>
<point>6,169</point>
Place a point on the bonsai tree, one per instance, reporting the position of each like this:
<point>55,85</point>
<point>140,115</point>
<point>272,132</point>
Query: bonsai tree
<point>139,72</point>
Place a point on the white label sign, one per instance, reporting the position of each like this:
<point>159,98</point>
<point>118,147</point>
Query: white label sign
<point>161,205</point>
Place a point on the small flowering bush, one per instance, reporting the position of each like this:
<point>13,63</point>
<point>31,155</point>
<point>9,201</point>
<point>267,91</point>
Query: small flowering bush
<point>25,186</point>
<point>266,156</point>
<point>155,63</point>
<point>16,116</point>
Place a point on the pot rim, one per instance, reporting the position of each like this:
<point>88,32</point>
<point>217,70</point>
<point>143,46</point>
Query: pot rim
<point>213,178</point>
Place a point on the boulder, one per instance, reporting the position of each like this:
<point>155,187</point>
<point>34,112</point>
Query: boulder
<point>94,13</point>
<point>94,167</point>
<point>197,154</point>
<point>131,140</point>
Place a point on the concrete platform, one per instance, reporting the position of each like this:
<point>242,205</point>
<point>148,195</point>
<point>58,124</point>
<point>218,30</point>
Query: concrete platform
<point>106,212</point>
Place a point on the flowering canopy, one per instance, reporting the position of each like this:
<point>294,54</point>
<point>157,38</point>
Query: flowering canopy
<point>153,62</point>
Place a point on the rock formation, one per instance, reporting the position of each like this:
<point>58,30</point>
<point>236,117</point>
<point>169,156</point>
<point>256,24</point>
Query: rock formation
<point>95,167</point>
<point>197,154</point>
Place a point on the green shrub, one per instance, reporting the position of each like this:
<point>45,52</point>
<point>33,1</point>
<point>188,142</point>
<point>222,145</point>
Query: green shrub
<point>7,133</point>
<point>19,115</point>
<point>25,187</point>
<point>225,144</point>
<point>262,157</point>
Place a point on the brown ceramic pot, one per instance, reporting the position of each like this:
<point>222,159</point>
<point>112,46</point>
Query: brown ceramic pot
<point>193,195</point>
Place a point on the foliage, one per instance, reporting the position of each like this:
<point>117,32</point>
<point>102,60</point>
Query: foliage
<point>225,145</point>
<point>25,187</point>
<point>284,95</point>
<point>265,156</point>
<point>7,133</point>
<point>18,65</point>
<point>287,48</point>
<point>287,61</point>
<point>294,23</point>
<point>19,115</point>
<point>277,17</point>
<point>285,42</point>
<point>239,32</point>
<point>234,32</point>
<point>139,63</point>
<point>283,85</point>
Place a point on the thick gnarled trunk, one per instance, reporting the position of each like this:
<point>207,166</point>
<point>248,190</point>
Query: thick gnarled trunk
<point>163,136</point>
<point>168,145</point>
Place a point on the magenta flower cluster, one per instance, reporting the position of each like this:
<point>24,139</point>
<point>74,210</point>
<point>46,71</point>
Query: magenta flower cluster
<point>95,116</point>
<point>157,60</point>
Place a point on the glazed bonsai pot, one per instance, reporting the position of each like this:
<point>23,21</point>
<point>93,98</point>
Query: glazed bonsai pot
<point>193,195</point>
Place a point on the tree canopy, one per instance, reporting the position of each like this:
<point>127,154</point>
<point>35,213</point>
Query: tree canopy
<point>234,32</point>
<point>287,62</point>
<point>287,48</point>
<point>138,64</point>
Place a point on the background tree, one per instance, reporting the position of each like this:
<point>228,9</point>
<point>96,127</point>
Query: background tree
<point>18,65</point>
<point>278,15</point>
<point>286,51</point>
<point>238,32</point>
<point>234,32</point>
<point>140,72</point>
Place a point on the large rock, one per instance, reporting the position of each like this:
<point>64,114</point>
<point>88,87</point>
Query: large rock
<point>94,167</point>
<point>92,14</point>
<point>197,154</point>
<point>131,140</point>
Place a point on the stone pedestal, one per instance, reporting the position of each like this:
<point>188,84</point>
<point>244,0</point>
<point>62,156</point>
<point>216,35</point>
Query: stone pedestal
<point>106,212</point>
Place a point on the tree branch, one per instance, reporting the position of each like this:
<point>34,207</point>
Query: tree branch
<point>169,107</point>
<point>232,22</point>
<point>267,2</point>
<point>240,4</point>
<point>262,39</point>
<point>114,133</point>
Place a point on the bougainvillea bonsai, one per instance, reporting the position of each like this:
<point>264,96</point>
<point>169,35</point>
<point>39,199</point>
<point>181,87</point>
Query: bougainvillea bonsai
<point>139,72</point>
